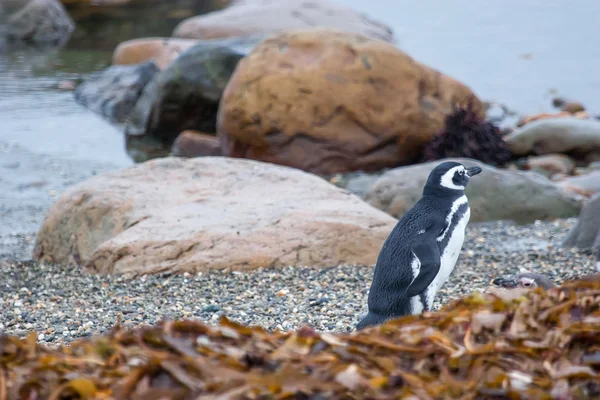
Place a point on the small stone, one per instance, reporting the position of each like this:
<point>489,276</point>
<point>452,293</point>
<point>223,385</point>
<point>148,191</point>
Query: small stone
<point>212,308</point>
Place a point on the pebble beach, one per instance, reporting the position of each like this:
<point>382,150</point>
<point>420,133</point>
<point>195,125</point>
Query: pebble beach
<point>63,304</point>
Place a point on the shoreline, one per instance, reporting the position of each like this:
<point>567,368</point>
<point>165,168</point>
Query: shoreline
<point>62,304</point>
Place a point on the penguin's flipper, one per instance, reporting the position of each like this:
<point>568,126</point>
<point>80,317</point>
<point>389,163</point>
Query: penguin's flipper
<point>428,254</point>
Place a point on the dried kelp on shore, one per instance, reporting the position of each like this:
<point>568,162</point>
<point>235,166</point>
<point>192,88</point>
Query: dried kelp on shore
<point>466,134</point>
<point>499,345</point>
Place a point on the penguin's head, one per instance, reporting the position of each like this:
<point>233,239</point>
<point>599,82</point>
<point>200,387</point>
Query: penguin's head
<point>526,280</point>
<point>450,176</point>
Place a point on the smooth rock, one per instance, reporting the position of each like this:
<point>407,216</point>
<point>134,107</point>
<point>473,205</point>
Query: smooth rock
<point>35,22</point>
<point>186,94</point>
<point>114,92</point>
<point>191,215</point>
<point>551,164</point>
<point>586,233</point>
<point>563,114</point>
<point>572,107</point>
<point>196,144</point>
<point>495,194</point>
<point>580,138</point>
<point>594,165</point>
<point>162,51</point>
<point>265,17</point>
<point>584,185</point>
<point>328,102</point>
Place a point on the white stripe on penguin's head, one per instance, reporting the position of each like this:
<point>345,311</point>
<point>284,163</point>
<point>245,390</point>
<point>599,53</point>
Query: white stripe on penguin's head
<point>447,178</point>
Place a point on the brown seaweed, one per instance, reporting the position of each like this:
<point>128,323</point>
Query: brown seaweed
<point>503,344</point>
<point>466,134</point>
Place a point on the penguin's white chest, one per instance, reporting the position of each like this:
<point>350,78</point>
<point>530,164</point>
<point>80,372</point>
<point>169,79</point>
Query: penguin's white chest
<point>450,253</point>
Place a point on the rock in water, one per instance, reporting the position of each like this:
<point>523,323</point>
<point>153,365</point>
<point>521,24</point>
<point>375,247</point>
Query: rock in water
<point>114,92</point>
<point>327,102</point>
<point>185,95</point>
<point>251,17</point>
<point>35,22</point>
<point>520,196</point>
<point>162,51</point>
<point>178,215</point>
<point>579,138</point>
<point>586,234</point>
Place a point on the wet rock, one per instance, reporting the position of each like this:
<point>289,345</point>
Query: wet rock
<point>551,164</point>
<point>594,165</point>
<point>563,114</point>
<point>114,92</point>
<point>186,94</point>
<point>584,185</point>
<point>35,22</point>
<point>495,194</point>
<point>568,106</point>
<point>327,102</point>
<point>265,17</point>
<point>579,138</point>
<point>196,144</point>
<point>190,215</point>
<point>162,51</point>
<point>586,233</point>
<point>573,107</point>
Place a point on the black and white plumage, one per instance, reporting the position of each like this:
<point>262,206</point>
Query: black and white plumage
<point>420,253</point>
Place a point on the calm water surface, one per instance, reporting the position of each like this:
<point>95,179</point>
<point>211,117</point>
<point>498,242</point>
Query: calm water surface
<point>515,52</point>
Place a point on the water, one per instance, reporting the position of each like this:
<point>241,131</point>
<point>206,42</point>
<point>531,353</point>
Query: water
<point>35,114</point>
<point>520,53</point>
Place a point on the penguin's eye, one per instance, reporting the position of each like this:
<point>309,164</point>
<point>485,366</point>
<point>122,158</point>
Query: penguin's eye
<point>461,173</point>
<point>526,284</point>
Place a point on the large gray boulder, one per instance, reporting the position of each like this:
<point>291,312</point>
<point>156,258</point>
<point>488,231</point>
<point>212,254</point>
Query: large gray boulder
<point>34,22</point>
<point>586,233</point>
<point>495,194</point>
<point>185,95</point>
<point>579,138</point>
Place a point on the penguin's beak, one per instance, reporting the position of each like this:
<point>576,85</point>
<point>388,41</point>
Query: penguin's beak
<point>506,282</point>
<point>473,171</point>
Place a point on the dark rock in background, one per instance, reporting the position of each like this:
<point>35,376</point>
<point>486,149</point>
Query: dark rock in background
<point>43,23</point>
<point>186,95</point>
<point>114,92</point>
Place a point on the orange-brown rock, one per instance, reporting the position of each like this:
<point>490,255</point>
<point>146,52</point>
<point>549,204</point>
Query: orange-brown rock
<point>562,114</point>
<point>194,214</point>
<point>328,101</point>
<point>250,17</point>
<point>196,144</point>
<point>162,51</point>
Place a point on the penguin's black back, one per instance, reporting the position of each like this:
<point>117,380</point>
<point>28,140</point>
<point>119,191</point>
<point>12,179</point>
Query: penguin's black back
<point>393,271</point>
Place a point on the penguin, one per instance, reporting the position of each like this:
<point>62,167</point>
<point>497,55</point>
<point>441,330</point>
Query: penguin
<point>532,280</point>
<point>420,252</point>
<point>524,280</point>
